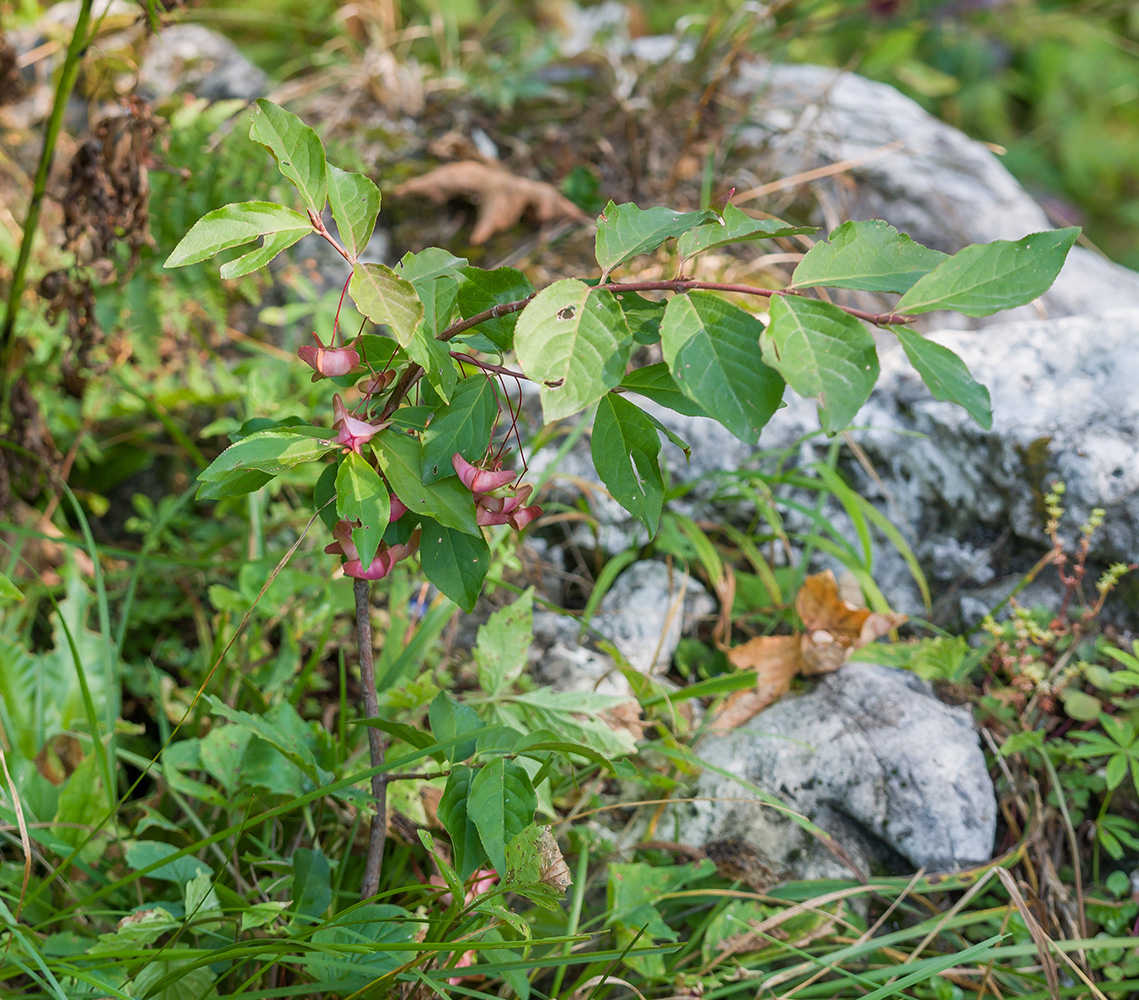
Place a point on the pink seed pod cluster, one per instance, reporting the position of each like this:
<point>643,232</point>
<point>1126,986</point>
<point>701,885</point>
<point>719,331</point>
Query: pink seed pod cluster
<point>386,555</point>
<point>497,501</point>
<point>329,362</point>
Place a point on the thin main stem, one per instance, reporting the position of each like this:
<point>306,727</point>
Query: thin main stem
<point>373,866</point>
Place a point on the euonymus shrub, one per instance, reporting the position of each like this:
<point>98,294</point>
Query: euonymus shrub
<point>393,479</point>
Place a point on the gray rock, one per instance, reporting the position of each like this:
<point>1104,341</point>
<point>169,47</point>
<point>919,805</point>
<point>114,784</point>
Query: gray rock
<point>187,58</point>
<point>922,176</point>
<point>869,755</point>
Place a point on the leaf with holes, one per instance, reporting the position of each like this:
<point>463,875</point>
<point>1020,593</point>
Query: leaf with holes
<point>824,354</point>
<point>712,350</point>
<point>574,342</point>
<point>384,297</point>
<point>296,148</point>
<point>463,426</point>
<point>946,375</point>
<point>355,203</point>
<point>736,226</point>
<point>501,805</point>
<point>986,278</point>
<point>626,231</point>
<point>361,496</point>
<point>626,449</point>
<point>455,562</point>
<point>235,225</point>
<point>872,256</point>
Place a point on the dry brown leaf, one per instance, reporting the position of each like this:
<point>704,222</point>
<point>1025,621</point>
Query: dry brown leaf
<point>625,717</point>
<point>776,659</point>
<point>555,871</point>
<point>502,197</point>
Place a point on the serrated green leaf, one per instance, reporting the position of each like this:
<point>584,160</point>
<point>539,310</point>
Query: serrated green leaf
<point>270,451</point>
<point>575,343</point>
<point>501,805</point>
<point>451,719</point>
<point>480,290</point>
<point>824,354</point>
<point>462,426</point>
<point>626,231</point>
<point>712,350</point>
<point>946,375</point>
<point>384,297</point>
<point>453,813</point>
<point>234,225</point>
<point>270,247</point>
<point>503,643</point>
<point>361,496</point>
<point>355,203</point>
<point>986,278</point>
<point>655,382</point>
<point>736,226</point>
<point>296,148</point>
<point>626,447</point>
<point>447,501</point>
<point>872,256</point>
<point>455,562</point>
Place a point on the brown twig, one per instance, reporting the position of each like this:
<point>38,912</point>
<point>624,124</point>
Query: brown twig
<point>378,834</point>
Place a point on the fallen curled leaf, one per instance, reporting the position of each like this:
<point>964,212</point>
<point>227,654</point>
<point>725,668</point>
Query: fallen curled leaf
<point>503,198</point>
<point>833,629</point>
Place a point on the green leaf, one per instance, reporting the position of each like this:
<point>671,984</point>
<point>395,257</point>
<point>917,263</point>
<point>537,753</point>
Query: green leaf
<point>986,278</point>
<point>626,447</point>
<point>233,226</point>
<point>270,451</point>
<point>270,247</point>
<point>946,375</point>
<point>355,946</point>
<point>143,853</point>
<point>530,857</point>
<point>625,231</point>
<point>736,226</point>
<point>451,719</point>
<point>480,290</point>
<point>457,563</point>
<point>872,256</point>
<point>643,316</point>
<point>447,500</point>
<point>429,264</point>
<point>283,729</point>
<point>501,805</point>
<point>8,590</point>
<point>463,426</point>
<point>296,148</point>
<point>434,275</point>
<point>655,382</point>
<point>384,297</point>
<point>453,813</point>
<point>361,496</point>
<point>403,731</point>
<point>824,354</point>
<point>712,350</point>
<point>355,203</point>
<point>503,643</point>
<point>575,343</point>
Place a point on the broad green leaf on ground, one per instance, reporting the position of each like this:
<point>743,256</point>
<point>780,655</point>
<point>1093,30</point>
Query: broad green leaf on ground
<point>141,928</point>
<point>626,453</point>
<point>83,803</point>
<point>481,290</point>
<point>361,496</point>
<point>446,500</point>
<point>355,203</point>
<point>168,978</point>
<point>946,375</point>
<point>576,717</point>
<point>736,226</point>
<point>463,426</point>
<point>712,350</point>
<point>575,343</point>
<point>872,256</point>
<point>626,231</point>
<point>453,813</point>
<point>271,452</point>
<point>270,246</point>
<point>455,562</point>
<point>450,719</point>
<point>501,805</point>
<point>986,278</point>
<point>296,148</point>
<point>144,853</point>
<point>824,354</point>
<point>643,316</point>
<point>655,382</point>
<point>355,945</point>
<point>284,730</point>
<point>235,225</point>
<point>504,642</point>
<point>384,297</point>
